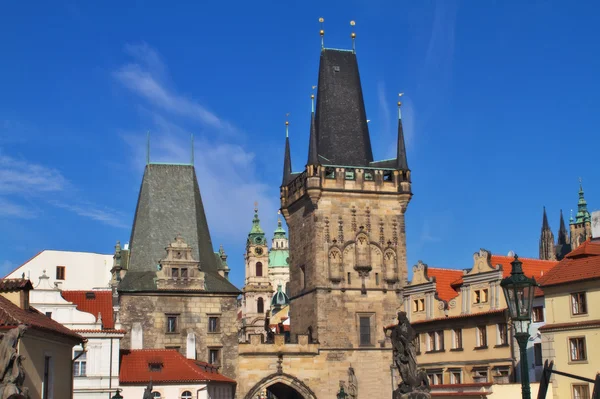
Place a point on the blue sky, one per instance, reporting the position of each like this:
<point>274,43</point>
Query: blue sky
<point>500,114</point>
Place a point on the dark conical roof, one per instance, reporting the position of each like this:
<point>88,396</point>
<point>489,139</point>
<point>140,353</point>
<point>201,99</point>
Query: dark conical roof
<point>169,204</point>
<point>545,224</point>
<point>287,162</point>
<point>401,161</point>
<point>313,152</point>
<point>563,235</point>
<point>341,121</point>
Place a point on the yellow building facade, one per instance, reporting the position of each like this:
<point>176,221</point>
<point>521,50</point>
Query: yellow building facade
<point>572,334</point>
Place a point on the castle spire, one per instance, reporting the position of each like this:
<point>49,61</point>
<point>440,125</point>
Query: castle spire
<point>563,235</point>
<point>287,159</point>
<point>547,251</point>
<point>401,162</point>
<point>545,225</point>
<point>313,157</point>
<point>582,215</point>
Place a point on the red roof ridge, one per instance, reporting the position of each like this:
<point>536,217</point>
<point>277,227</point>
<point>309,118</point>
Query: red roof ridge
<point>86,291</point>
<point>444,268</point>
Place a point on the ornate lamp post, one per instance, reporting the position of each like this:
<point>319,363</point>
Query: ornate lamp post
<point>518,291</point>
<point>117,395</point>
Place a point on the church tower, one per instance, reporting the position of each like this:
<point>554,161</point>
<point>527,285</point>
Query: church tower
<point>581,226</point>
<point>279,268</point>
<point>563,244</point>
<point>546,240</point>
<point>345,216</point>
<point>257,288</point>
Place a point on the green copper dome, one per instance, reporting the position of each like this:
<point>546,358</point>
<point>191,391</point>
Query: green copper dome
<point>582,215</point>
<point>280,299</point>
<point>279,231</point>
<point>256,235</point>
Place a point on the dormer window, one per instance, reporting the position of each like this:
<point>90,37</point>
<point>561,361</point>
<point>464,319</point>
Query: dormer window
<point>419,305</point>
<point>155,367</point>
<point>175,272</point>
<point>90,295</point>
<point>480,296</point>
<point>184,272</point>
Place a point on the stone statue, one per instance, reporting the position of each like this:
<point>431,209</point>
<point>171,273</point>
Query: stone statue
<point>148,391</point>
<point>352,389</point>
<point>415,383</point>
<point>12,374</point>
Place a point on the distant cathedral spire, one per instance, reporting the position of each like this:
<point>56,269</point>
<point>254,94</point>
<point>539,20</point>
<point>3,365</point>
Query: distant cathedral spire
<point>287,159</point>
<point>546,240</point>
<point>313,153</point>
<point>563,234</point>
<point>401,162</point>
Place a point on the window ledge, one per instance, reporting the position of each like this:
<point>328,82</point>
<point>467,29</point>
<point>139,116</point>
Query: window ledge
<point>502,346</point>
<point>578,361</point>
<point>456,349</point>
<point>214,332</point>
<point>478,348</point>
<point>436,351</point>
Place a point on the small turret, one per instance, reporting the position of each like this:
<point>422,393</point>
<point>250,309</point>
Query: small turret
<point>401,161</point>
<point>224,267</point>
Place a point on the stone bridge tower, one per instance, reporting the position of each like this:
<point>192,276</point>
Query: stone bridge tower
<point>345,214</point>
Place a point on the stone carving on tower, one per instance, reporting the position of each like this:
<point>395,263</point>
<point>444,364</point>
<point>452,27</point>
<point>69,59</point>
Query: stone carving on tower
<point>179,269</point>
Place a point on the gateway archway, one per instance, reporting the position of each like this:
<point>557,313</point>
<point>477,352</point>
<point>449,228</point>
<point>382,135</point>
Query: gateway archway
<point>281,386</point>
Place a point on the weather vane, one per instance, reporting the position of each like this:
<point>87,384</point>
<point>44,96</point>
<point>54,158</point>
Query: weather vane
<point>399,104</point>
<point>322,32</point>
<point>353,36</point>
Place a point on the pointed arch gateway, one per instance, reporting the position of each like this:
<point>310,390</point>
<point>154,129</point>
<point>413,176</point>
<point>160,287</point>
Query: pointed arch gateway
<point>282,385</point>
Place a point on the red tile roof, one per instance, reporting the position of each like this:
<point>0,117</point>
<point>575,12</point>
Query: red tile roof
<point>11,316</point>
<point>443,281</point>
<point>101,303</point>
<point>535,268</point>
<point>15,284</point>
<point>581,264</point>
<point>135,368</point>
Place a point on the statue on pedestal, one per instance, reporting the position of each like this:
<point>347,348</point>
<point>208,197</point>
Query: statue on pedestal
<point>12,374</point>
<point>415,383</point>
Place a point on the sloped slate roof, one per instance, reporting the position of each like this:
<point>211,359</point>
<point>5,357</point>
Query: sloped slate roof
<point>100,303</point>
<point>11,316</point>
<point>135,368</point>
<point>341,120</point>
<point>170,203</point>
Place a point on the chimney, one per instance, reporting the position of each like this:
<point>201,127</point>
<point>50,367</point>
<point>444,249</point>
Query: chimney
<point>596,225</point>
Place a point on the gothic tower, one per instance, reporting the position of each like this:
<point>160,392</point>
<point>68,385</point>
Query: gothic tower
<point>581,226</point>
<point>345,214</point>
<point>257,288</point>
<point>563,244</point>
<point>546,240</point>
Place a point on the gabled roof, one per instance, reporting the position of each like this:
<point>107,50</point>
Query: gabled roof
<point>443,281</point>
<point>341,121</point>
<point>101,303</point>
<point>169,204</point>
<point>579,265</point>
<point>15,284</point>
<point>174,368</point>
<point>11,316</point>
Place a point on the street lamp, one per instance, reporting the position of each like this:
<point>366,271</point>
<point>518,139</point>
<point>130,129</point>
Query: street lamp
<point>519,291</point>
<point>117,395</point>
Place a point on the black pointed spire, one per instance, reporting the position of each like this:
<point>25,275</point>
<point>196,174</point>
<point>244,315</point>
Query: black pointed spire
<point>313,153</point>
<point>545,224</point>
<point>563,235</point>
<point>340,119</point>
<point>287,159</point>
<point>401,162</point>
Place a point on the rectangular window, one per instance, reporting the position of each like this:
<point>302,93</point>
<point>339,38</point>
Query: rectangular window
<point>175,272</point>
<point>578,304</point>
<point>538,314</point>
<point>436,341</point>
<point>455,376</point>
<point>184,272</point>
<point>349,279</point>
<point>577,349</point>
<point>60,272</point>
<point>537,354</point>
<point>480,296</point>
<point>365,330</point>
<point>368,176</point>
<point>501,375</point>
<point>581,391</point>
<point>502,330</point>
<point>481,337</point>
<point>214,356</point>
<point>349,175</point>
<point>171,323</point>
<point>46,384</point>
<point>49,314</point>
<point>376,278</point>
<point>419,305</point>
<point>213,324</point>
<point>329,173</point>
<point>480,375</point>
<point>79,365</point>
<point>457,338</point>
<point>436,377</point>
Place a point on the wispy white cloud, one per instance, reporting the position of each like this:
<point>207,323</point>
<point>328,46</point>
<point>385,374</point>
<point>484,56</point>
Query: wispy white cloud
<point>11,209</point>
<point>17,175</point>
<point>104,215</point>
<point>145,77</point>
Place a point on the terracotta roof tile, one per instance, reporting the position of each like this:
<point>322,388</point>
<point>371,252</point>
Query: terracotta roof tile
<point>15,284</point>
<point>581,264</point>
<point>175,367</point>
<point>443,281</point>
<point>11,316</point>
<point>100,303</point>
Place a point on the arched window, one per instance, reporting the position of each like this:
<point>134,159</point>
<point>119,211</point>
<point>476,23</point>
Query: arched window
<point>259,269</point>
<point>156,395</point>
<point>260,306</point>
<point>186,395</point>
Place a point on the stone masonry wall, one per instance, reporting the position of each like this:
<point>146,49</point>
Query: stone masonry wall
<point>193,312</point>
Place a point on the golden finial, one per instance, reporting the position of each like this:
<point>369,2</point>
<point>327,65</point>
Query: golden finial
<point>322,32</point>
<point>255,206</point>
<point>287,123</point>
<point>353,36</point>
<point>400,104</point>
